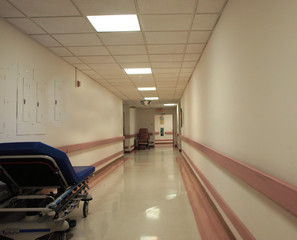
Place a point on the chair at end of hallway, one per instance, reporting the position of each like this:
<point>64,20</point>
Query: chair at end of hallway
<point>143,139</point>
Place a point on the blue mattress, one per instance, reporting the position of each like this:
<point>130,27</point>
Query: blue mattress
<point>72,175</point>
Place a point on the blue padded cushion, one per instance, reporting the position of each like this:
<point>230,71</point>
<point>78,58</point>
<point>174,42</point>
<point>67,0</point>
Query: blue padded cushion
<point>83,172</point>
<point>71,175</point>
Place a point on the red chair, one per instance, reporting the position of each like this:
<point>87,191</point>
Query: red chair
<point>143,138</point>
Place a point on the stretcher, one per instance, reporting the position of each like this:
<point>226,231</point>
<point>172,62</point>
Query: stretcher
<point>39,188</point>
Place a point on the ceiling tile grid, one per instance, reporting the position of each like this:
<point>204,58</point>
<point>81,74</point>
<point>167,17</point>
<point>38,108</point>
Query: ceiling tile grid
<point>173,36</point>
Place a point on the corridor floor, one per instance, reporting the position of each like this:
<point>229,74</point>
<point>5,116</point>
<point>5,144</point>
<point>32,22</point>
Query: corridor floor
<point>143,199</point>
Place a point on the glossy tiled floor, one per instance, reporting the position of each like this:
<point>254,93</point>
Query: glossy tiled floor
<point>144,199</point>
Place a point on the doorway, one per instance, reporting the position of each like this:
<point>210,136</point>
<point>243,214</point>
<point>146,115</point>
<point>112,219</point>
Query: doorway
<point>164,129</point>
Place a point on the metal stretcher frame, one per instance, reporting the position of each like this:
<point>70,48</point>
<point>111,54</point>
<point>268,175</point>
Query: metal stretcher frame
<point>42,210</point>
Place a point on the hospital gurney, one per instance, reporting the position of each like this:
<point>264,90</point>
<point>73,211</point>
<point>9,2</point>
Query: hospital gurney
<point>38,189</point>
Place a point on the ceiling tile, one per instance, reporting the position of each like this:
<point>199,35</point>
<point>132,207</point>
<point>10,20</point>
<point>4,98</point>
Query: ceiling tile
<point>185,75</point>
<point>167,65</point>
<point>166,58</point>
<point>109,71</point>
<point>61,51</point>
<point>26,25</point>
<point>103,7</point>
<point>90,72</point>
<point>189,64</point>
<point>183,78</point>
<point>105,66</point>
<point>64,25</point>
<point>166,75</point>
<point>210,6</point>
<point>89,51</point>
<point>195,48</point>
<point>149,93</point>
<point>166,6</point>
<point>81,66</point>
<point>205,21</point>
<point>132,58</point>
<point>86,39</point>
<point>166,37</point>
<point>97,59</point>
<point>37,8</point>
<point>174,49</point>
<point>72,60</point>
<point>7,10</point>
<point>166,89</point>
<point>186,70</point>
<point>173,22</point>
<point>192,57</point>
<point>46,40</point>
<point>162,82</point>
<point>164,79</point>
<point>166,84</point>
<point>159,49</point>
<point>165,70</point>
<point>121,38</point>
<point>122,50</point>
<point>113,75</point>
<point>122,85</point>
<point>144,83</point>
<point>199,36</point>
<point>120,80</point>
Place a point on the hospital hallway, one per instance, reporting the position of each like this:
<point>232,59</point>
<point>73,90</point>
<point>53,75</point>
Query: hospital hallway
<point>143,199</point>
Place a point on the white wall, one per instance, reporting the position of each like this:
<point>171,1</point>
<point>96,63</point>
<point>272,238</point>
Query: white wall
<point>85,111</point>
<point>241,101</point>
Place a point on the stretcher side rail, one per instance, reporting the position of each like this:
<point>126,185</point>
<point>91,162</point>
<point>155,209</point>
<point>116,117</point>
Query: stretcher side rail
<point>12,162</point>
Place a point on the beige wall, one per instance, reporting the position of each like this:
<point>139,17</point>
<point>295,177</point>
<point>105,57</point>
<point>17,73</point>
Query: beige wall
<point>241,101</point>
<point>130,126</point>
<point>167,124</point>
<point>85,111</point>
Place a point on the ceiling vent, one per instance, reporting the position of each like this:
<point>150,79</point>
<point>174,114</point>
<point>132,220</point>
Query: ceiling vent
<point>145,102</point>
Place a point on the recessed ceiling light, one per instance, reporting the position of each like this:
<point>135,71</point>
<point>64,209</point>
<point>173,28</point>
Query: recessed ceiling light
<point>147,89</point>
<point>115,23</point>
<point>138,70</point>
<point>151,98</point>
<point>170,104</point>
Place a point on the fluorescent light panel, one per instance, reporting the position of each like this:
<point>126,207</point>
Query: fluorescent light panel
<point>170,104</point>
<point>147,89</point>
<point>151,98</point>
<point>115,23</point>
<point>138,70</point>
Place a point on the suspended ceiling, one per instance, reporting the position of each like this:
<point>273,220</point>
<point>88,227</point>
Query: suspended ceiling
<point>172,38</point>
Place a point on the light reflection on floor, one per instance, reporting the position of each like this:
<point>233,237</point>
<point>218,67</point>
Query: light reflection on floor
<point>144,199</point>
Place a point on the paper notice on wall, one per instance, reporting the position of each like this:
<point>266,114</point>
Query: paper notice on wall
<point>161,120</point>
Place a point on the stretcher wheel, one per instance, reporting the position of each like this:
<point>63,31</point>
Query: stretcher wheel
<point>86,208</point>
<point>62,236</point>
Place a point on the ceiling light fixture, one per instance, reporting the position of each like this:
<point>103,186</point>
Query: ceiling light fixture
<point>115,23</point>
<point>170,104</point>
<point>151,98</point>
<point>138,70</point>
<point>146,89</point>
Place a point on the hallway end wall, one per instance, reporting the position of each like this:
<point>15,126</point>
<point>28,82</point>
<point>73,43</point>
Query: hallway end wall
<point>145,118</point>
<point>241,101</point>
